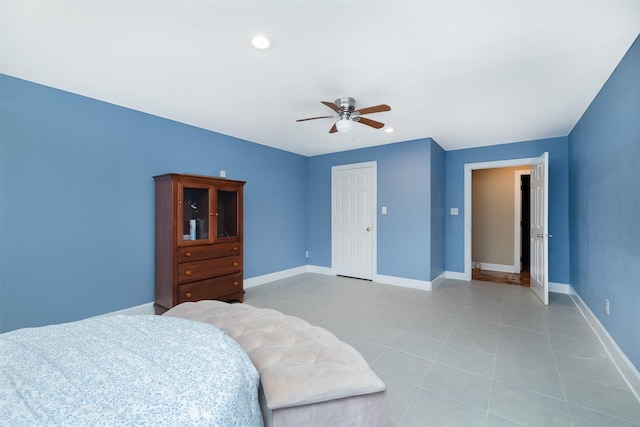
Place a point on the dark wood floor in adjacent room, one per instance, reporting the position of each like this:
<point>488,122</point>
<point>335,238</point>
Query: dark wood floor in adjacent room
<point>519,279</point>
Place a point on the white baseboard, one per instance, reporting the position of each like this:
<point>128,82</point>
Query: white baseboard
<point>624,365</point>
<point>560,288</point>
<point>455,275</point>
<point>498,267</point>
<point>139,309</point>
<point>423,285</point>
<point>278,275</point>
<point>380,278</point>
<point>435,283</point>
<point>320,270</point>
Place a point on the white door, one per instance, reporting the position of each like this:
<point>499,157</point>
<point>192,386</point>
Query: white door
<point>353,194</point>
<point>539,228</point>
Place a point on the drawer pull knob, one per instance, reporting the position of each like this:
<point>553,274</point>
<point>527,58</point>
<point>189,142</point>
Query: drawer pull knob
<point>187,254</point>
<point>235,248</point>
<point>188,272</point>
<point>236,283</point>
<point>188,295</point>
<point>235,263</point>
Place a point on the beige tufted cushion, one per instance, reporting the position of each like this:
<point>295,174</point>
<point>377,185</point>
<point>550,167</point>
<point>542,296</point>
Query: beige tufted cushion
<point>298,363</point>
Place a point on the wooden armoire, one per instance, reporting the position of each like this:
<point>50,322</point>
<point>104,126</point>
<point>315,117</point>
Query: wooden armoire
<point>198,231</point>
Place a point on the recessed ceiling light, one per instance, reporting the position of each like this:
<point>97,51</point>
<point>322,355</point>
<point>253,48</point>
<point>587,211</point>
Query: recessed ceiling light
<point>389,130</point>
<point>262,42</point>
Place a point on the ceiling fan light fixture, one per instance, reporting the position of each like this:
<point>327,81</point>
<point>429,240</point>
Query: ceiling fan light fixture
<point>344,125</point>
<point>262,42</point>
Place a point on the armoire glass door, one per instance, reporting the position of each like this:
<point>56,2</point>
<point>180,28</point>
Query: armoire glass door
<point>195,213</point>
<point>227,215</point>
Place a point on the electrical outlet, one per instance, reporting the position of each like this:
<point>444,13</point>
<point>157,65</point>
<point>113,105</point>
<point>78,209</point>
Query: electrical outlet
<point>606,305</point>
<point>307,254</point>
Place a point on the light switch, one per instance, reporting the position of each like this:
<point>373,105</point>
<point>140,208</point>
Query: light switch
<point>454,211</point>
<point>223,174</point>
<point>384,210</point>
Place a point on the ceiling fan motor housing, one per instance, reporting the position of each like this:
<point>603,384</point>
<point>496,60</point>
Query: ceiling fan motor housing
<point>348,105</point>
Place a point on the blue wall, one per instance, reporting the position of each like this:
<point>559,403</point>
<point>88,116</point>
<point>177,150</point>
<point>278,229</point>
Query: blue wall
<point>604,156</point>
<point>558,198</point>
<point>76,197</point>
<point>404,186</point>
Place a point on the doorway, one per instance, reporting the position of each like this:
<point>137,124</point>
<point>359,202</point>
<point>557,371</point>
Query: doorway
<point>539,188</point>
<point>500,225</point>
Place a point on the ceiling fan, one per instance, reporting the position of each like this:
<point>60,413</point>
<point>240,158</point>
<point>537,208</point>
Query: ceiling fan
<point>348,115</point>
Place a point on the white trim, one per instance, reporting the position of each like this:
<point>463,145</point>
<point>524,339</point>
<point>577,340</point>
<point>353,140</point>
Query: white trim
<point>503,268</point>
<point>560,288</point>
<point>374,208</point>
<point>423,285</point>
<point>468,168</point>
<point>435,283</point>
<point>378,278</point>
<point>278,275</point>
<point>456,275</point>
<point>132,311</point>
<point>620,360</point>
<point>321,270</point>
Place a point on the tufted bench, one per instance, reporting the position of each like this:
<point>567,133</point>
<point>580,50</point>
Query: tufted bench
<point>308,377</point>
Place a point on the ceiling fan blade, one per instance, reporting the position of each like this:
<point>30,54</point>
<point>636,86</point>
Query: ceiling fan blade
<point>314,118</point>
<point>333,106</point>
<point>333,129</point>
<point>375,109</point>
<point>370,122</point>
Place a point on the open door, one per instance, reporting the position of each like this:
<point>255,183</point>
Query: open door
<point>539,228</point>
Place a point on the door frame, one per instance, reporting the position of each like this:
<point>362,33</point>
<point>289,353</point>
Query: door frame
<point>374,212</point>
<point>468,169</point>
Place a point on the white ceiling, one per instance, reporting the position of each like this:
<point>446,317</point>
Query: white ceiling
<point>467,73</point>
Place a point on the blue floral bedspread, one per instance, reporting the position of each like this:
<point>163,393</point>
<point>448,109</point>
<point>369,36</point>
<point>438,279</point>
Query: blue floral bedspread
<point>126,371</point>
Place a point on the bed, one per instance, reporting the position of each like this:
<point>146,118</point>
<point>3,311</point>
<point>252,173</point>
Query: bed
<point>126,370</point>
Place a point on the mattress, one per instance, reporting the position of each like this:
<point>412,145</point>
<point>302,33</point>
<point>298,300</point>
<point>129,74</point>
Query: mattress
<point>126,370</point>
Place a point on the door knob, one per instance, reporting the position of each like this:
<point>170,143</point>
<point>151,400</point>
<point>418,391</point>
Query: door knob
<point>368,228</point>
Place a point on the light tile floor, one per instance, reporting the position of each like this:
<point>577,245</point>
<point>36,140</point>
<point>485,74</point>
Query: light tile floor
<point>468,353</point>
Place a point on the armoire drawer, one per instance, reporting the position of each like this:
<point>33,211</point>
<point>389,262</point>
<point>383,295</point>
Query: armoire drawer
<point>195,253</point>
<point>205,269</point>
<point>211,288</point>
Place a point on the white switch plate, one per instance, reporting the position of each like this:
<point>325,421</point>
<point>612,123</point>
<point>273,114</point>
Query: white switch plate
<point>223,174</point>
<point>384,210</point>
<point>454,211</point>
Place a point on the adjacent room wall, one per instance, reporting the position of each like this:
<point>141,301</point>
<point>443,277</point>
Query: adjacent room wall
<point>604,206</point>
<point>558,198</point>
<point>76,197</point>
